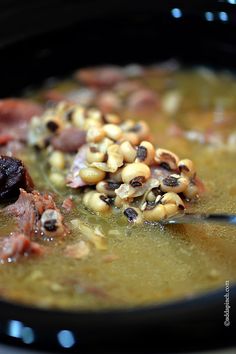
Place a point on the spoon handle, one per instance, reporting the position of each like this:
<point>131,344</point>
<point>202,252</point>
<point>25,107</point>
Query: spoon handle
<point>193,218</point>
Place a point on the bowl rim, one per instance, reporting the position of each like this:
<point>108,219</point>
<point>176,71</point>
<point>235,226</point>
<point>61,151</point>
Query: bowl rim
<point>195,301</point>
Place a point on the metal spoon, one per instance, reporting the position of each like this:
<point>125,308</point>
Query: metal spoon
<point>196,218</point>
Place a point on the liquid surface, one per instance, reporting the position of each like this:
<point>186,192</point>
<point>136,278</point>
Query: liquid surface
<point>143,264</point>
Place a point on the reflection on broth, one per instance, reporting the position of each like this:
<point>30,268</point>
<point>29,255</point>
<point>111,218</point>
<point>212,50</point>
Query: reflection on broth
<point>120,264</point>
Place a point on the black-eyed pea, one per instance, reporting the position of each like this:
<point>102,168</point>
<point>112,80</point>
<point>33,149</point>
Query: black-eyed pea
<point>134,215</point>
<point>95,134</point>
<point>104,144</point>
<point>57,160</point>
<point>92,175</point>
<point>152,195</point>
<point>94,114</point>
<point>145,153</point>
<point>52,223</point>
<point>101,187</point>
<point>116,176</point>
<point>57,179</point>
<point>36,132</point>
<point>174,183</point>
<point>132,137</point>
<point>128,151</point>
<point>187,168</point>
<point>115,157</point>
<point>92,123</point>
<point>167,158</point>
<point>191,192</point>
<point>112,118</point>
<point>170,210</point>
<point>107,187</point>
<point>87,196</point>
<point>78,117</point>
<point>137,182</point>
<point>93,155</point>
<point>99,203</point>
<point>134,170</point>
<point>118,202</point>
<point>127,125</point>
<point>63,107</point>
<point>158,213</point>
<point>53,123</point>
<point>172,198</point>
<point>112,131</point>
<point>142,129</point>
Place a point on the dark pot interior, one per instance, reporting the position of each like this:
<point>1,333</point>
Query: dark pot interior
<point>51,39</point>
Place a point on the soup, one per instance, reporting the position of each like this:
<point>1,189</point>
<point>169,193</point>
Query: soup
<point>117,263</point>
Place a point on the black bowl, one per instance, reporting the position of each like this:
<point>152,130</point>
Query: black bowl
<point>51,38</point>
<point>190,324</point>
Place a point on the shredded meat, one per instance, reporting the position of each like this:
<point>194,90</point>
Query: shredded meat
<point>142,99</point>
<point>12,148</point>
<point>174,130</point>
<point>100,77</point>
<point>5,139</point>
<point>54,96</point>
<point>127,87</point>
<point>83,96</point>
<point>68,204</point>
<point>16,245</point>
<point>160,172</point>
<point>28,210</point>
<point>79,250</point>
<point>108,258</point>
<point>73,178</point>
<point>13,176</point>
<point>69,140</point>
<point>108,102</point>
<point>15,115</point>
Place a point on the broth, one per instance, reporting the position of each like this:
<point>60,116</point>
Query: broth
<point>145,264</point>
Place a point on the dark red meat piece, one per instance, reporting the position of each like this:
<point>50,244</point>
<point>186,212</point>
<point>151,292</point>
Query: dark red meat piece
<point>69,140</point>
<point>108,102</point>
<point>16,245</point>
<point>100,77</point>
<point>54,96</point>
<point>28,210</point>
<point>143,99</point>
<point>5,138</point>
<point>15,115</point>
<point>68,204</point>
<point>13,176</point>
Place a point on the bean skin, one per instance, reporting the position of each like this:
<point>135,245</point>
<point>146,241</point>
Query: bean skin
<point>145,153</point>
<point>112,131</point>
<point>158,213</point>
<point>187,168</point>
<point>92,175</point>
<point>135,170</point>
<point>133,215</point>
<point>97,202</point>
<point>128,151</point>
<point>167,157</point>
<point>174,183</point>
